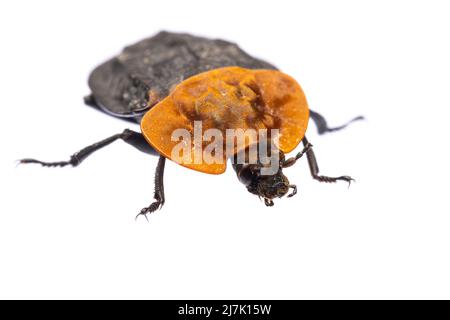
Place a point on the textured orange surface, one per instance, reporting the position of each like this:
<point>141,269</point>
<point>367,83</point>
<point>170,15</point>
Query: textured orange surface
<point>229,98</point>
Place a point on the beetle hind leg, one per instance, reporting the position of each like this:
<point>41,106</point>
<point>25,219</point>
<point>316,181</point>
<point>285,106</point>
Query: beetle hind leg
<point>131,137</point>
<point>47,164</point>
<point>77,157</point>
<point>322,125</point>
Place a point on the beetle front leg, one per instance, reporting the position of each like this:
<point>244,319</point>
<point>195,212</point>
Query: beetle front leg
<point>291,161</point>
<point>314,168</point>
<point>294,190</point>
<point>159,189</point>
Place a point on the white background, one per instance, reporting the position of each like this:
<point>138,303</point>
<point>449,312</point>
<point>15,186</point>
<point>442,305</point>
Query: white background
<point>71,233</point>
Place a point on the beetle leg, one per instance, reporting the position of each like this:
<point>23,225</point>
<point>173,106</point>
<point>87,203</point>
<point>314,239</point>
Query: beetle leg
<point>314,168</point>
<point>268,202</point>
<point>294,190</point>
<point>133,138</point>
<point>291,161</point>
<point>322,126</point>
<point>90,101</point>
<point>159,189</point>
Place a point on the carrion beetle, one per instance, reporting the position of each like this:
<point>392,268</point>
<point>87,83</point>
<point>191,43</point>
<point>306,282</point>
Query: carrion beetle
<point>173,81</point>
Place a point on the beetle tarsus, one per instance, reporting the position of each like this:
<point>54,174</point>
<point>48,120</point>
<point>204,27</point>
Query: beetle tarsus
<point>314,168</point>
<point>268,202</point>
<point>294,190</point>
<point>133,138</point>
<point>142,214</point>
<point>151,208</point>
<point>322,125</point>
<point>46,164</point>
<point>159,189</point>
<point>334,179</point>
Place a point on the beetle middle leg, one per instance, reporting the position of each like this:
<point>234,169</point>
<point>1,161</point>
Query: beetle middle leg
<point>159,189</point>
<point>322,126</point>
<point>314,168</point>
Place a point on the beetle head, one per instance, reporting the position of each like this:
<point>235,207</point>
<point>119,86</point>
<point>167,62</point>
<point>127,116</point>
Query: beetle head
<point>267,187</point>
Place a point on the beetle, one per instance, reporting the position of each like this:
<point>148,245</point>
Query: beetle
<point>171,80</point>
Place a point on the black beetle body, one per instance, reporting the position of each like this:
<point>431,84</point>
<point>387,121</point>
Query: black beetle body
<point>144,73</point>
<point>130,84</point>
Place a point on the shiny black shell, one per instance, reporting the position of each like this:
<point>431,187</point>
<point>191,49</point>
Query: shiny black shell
<point>129,84</point>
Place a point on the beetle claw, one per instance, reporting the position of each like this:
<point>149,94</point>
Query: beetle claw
<point>142,214</point>
<point>150,209</point>
<point>348,179</point>
<point>294,190</point>
<point>17,163</point>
